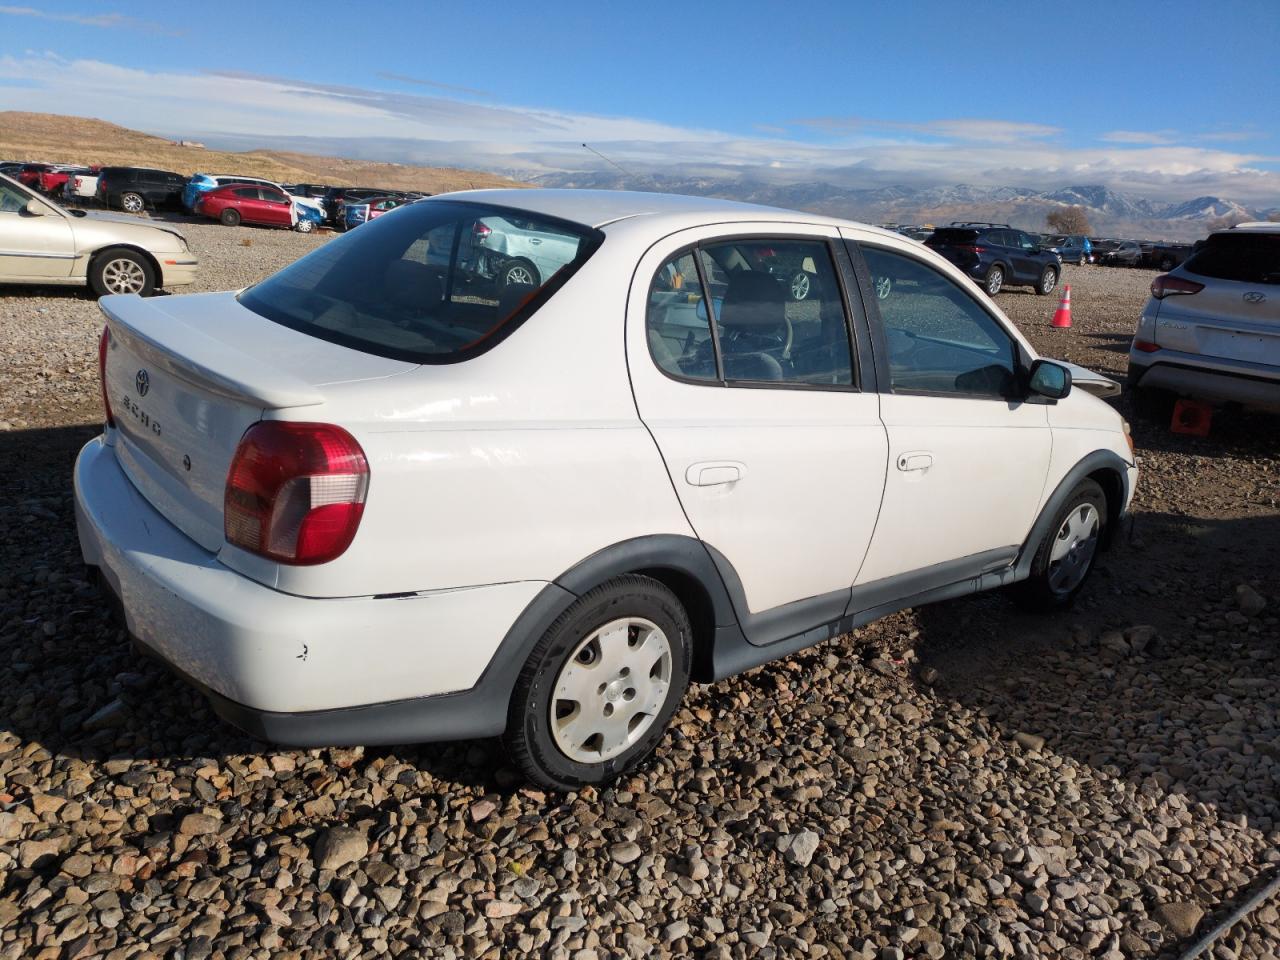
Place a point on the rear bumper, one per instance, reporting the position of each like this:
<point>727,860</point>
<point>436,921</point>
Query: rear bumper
<point>1253,385</point>
<point>297,670</point>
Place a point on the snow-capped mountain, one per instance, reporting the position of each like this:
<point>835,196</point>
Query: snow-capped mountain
<point>1109,211</point>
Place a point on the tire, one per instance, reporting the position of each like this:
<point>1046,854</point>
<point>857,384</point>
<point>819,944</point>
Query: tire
<point>542,737</point>
<point>1075,535</point>
<point>304,225</point>
<point>230,217</point>
<point>1048,280</point>
<point>132,203</point>
<point>994,280</point>
<point>1167,264</point>
<point>801,286</point>
<point>120,270</point>
<point>1153,404</point>
<point>519,271</point>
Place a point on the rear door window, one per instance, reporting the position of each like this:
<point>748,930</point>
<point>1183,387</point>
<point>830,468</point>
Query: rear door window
<point>1240,257</point>
<point>439,282</point>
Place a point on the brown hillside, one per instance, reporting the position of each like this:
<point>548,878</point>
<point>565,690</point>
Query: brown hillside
<point>60,139</point>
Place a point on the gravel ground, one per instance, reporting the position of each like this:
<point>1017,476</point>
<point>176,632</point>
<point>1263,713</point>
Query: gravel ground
<point>960,780</point>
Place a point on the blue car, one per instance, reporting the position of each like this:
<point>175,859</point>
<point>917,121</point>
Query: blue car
<point>1072,249</point>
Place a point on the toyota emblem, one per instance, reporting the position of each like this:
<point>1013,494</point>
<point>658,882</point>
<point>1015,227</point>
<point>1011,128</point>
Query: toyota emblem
<point>142,382</point>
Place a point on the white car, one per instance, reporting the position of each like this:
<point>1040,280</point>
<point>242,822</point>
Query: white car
<point>373,500</point>
<point>44,243</point>
<point>80,188</point>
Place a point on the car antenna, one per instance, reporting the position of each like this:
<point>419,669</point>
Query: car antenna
<point>624,171</point>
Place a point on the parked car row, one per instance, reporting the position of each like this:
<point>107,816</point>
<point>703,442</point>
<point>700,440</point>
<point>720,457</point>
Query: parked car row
<point>997,255</point>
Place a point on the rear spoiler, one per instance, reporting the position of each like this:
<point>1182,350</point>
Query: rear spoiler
<point>188,352</point>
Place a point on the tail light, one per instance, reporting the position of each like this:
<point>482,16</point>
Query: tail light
<point>76,184</point>
<point>971,248</point>
<point>295,491</point>
<point>481,230</point>
<point>1145,346</point>
<point>1167,285</point>
<point>104,343</point>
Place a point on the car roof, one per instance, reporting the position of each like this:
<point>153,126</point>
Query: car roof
<point>597,208</point>
<point>1253,226</point>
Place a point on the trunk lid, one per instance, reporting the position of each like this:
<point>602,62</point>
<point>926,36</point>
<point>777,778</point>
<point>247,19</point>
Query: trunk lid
<point>1228,319</point>
<point>186,376</point>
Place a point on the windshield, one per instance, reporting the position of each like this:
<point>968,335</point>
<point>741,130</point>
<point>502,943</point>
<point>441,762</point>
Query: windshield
<point>440,281</point>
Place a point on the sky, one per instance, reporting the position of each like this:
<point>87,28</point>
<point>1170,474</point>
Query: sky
<point>1169,99</point>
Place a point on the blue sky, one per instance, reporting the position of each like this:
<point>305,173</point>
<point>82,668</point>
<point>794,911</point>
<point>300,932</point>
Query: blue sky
<point>1170,98</point>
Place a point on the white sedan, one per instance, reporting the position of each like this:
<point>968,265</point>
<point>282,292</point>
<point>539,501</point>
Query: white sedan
<point>374,499</point>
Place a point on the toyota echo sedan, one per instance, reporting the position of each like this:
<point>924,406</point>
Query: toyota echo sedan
<point>387,496</point>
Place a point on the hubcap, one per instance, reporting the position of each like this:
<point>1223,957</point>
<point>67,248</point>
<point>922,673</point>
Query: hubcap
<point>1073,548</point>
<point>883,286</point>
<point>800,286</point>
<point>519,274</point>
<point>132,204</point>
<point>611,690</point>
<point>994,281</point>
<point>1050,278</point>
<point>123,276</point>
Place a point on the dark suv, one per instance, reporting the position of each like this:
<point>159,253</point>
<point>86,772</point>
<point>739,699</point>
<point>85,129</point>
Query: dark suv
<point>135,189</point>
<point>997,255</point>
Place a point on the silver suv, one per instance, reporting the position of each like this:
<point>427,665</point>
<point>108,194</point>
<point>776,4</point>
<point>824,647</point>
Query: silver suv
<point>1211,328</point>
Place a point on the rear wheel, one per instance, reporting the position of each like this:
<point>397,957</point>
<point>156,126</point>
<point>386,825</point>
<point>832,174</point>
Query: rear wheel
<point>994,280</point>
<point>118,270</point>
<point>800,286</point>
<point>304,225</point>
<point>1048,280</point>
<point>1065,557</point>
<point>519,271</point>
<point>230,217</point>
<point>1166,264</point>
<point>599,688</point>
<point>132,203</point>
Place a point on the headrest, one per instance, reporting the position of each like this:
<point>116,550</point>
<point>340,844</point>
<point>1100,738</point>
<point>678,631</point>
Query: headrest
<point>754,301</point>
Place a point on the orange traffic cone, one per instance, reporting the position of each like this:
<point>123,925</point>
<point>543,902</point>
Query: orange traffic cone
<point>1062,316</point>
<point>1192,417</point>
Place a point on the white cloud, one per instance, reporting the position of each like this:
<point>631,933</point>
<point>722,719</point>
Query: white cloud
<point>1152,137</point>
<point>254,110</point>
<point>88,19</point>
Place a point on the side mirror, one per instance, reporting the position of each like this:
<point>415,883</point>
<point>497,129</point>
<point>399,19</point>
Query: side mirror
<point>1049,380</point>
<point>35,208</point>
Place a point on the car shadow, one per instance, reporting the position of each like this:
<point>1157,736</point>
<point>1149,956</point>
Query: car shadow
<point>1118,342</point>
<point>1190,712</point>
<point>71,681</point>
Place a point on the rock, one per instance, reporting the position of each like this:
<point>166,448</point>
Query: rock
<point>1029,741</point>
<point>77,865</point>
<point>1249,601</point>
<point>1113,642</point>
<point>389,897</point>
<point>339,846</point>
<point>481,810</point>
<point>499,909</point>
<point>112,715</point>
<point>928,676</point>
<point>1179,918</point>
<point>625,852</point>
<point>199,825</point>
<point>801,847</point>
<point>1140,637</point>
<point>1036,903</point>
<point>905,712</point>
<point>33,852</point>
<point>677,930</point>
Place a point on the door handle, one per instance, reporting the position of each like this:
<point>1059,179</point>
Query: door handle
<point>714,472</point>
<point>915,460</point>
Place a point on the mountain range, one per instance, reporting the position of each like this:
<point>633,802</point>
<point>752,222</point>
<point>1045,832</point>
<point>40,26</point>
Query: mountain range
<point>1110,212</point>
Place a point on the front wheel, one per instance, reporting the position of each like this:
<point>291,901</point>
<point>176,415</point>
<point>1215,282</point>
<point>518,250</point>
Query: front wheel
<point>304,225</point>
<point>230,217</point>
<point>121,271</point>
<point>132,203</point>
<point>1065,557</point>
<point>1167,264</point>
<point>1048,280</point>
<point>599,688</point>
<point>994,281</point>
<point>800,286</point>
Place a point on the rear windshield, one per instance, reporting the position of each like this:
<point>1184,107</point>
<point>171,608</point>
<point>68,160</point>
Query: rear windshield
<point>437,281</point>
<point>1243,257</point>
<point>951,235</point>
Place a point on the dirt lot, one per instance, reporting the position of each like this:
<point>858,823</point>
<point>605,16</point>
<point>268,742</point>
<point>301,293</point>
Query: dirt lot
<point>961,780</point>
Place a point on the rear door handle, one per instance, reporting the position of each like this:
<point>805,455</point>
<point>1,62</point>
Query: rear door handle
<point>710,473</point>
<point>915,460</point>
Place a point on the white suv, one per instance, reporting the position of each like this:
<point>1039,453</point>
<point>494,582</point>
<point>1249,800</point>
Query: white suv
<point>383,498</point>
